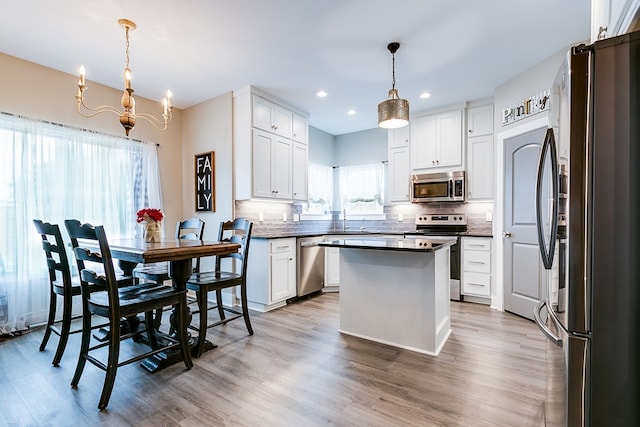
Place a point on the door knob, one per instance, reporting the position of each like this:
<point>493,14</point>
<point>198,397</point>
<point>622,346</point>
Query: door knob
<point>506,234</point>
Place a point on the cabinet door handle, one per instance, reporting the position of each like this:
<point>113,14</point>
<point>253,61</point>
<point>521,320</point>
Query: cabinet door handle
<point>475,262</point>
<point>475,284</point>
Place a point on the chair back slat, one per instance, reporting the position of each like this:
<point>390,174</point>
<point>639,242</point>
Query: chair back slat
<point>236,231</point>
<point>191,229</point>
<point>55,252</point>
<point>80,234</point>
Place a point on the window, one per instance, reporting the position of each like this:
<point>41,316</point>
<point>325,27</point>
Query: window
<point>362,189</point>
<point>53,173</point>
<point>320,196</point>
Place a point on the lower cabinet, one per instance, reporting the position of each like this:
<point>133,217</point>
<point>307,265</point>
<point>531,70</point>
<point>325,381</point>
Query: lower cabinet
<point>331,269</point>
<point>476,267</point>
<point>271,273</point>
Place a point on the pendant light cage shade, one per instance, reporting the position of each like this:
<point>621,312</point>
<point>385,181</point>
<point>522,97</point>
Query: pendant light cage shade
<point>394,112</point>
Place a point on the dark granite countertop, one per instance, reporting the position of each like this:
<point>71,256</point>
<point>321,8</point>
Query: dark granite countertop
<point>393,244</point>
<point>286,234</point>
<point>476,234</point>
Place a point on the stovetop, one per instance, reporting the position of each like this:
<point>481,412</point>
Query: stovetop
<point>451,224</point>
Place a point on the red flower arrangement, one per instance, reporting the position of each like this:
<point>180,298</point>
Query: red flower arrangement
<point>150,214</point>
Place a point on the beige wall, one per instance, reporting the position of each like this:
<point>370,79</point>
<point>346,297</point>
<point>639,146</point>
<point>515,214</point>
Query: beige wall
<point>208,127</point>
<point>38,92</point>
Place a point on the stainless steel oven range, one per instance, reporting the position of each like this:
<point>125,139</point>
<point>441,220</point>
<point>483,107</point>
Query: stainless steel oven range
<point>445,227</point>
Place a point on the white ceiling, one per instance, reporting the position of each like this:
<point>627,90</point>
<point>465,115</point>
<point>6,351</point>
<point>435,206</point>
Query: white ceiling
<point>457,50</point>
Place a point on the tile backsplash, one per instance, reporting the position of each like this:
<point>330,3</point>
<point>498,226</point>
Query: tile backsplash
<point>274,213</point>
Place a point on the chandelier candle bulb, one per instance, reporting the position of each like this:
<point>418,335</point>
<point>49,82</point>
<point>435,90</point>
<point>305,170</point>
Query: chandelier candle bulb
<point>81,83</point>
<point>127,78</point>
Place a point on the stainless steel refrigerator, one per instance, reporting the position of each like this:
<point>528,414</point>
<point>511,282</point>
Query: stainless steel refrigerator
<point>589,237</point>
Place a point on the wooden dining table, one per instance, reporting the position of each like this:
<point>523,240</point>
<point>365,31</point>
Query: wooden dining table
<point>180,254</point>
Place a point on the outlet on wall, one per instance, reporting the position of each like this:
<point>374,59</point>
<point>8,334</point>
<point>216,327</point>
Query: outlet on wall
<point>260,216</point>
<point>284,216</point>
<point>400,217</point>
<point>488,216</point>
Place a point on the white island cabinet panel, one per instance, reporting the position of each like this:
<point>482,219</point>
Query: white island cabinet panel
<point>399,298</point>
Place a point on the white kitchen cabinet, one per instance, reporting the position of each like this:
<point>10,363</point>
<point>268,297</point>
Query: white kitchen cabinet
<point>331,269</point>
<point>612,17</point>
<point>476,268</point>
<point>399,172</point>
<point>271,117</point>
<point>300,129</point>
<point>480,120</point>
<point>436,141</point>
<point>272,166</point>
<point>263,138</point>
<point>271,273</point>
<point>399,164</point>
<point>480,167</point>
<point>400,137</point>
<point>300,167</point>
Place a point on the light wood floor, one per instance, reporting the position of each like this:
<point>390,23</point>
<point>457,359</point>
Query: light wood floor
<point>297,370</point>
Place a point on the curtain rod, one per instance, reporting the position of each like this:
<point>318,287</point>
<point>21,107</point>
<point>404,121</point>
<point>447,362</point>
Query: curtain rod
<point>384,162</point>
<point>74,128</point>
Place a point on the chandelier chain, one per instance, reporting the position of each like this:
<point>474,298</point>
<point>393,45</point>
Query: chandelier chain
<point>126,50</point>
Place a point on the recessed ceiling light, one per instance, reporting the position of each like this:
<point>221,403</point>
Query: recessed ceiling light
<point>425,95</point>
<point>351,112</point>
<point>321,94</point>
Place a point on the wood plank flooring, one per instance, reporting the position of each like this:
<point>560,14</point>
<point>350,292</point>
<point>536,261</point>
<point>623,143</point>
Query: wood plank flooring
<point>297,370</point>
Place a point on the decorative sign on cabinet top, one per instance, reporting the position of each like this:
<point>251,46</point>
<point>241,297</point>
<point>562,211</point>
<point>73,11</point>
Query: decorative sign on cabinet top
<point>527,107</point>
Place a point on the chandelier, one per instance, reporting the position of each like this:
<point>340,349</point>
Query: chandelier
<point>128,113</point>
<point>393,112</point>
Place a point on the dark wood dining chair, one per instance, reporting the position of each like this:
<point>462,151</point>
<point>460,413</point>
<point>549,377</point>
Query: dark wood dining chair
<point>60,284</point>
<point>236,231</point>
<point>190,229</point>
<point>95,265</point>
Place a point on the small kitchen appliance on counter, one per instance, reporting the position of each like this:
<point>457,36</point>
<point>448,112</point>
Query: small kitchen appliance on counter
<point>444,227</point>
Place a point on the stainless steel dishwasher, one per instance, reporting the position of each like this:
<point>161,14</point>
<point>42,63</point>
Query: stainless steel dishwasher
<point>310,263</point>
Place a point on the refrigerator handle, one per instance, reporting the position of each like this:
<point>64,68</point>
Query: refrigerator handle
<point>545,330</point>
<point>547,249</point>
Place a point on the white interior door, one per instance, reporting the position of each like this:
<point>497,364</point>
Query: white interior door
<point>524,275</point>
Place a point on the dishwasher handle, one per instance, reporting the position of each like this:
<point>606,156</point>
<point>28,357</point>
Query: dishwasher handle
<point>307,244</point>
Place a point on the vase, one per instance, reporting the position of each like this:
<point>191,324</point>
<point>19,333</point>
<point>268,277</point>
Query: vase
<point>152,231</point>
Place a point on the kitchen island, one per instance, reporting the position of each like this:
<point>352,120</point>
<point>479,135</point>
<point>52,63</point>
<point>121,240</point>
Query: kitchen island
<point>395,291</point>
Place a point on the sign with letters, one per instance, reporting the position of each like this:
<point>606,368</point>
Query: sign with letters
<point>205,182</point>
<point>527,107</point>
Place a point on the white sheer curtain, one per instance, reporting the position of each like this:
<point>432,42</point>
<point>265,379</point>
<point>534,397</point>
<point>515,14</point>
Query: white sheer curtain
<point>320,197</point>
<point>362,188</point>
<point>51,172</point>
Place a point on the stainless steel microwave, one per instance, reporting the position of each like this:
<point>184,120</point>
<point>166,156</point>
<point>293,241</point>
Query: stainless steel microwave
<point>438,187</point>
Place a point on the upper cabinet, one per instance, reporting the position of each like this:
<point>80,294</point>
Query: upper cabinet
<point>612,17</point>
<point>271,117</point>
<point>399,166</point>
<point>300,129</point>
<point>480,163</point>
<point>271,148</point>
<point>480,120</point>
<point>436,141</point>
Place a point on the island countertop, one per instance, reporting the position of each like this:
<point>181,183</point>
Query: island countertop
<point>390,244</point>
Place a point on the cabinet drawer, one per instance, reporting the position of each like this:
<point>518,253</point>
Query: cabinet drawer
<point>477,261</point>
<point>476,244</point>
<point>282,245</point>
<point>476,284</point>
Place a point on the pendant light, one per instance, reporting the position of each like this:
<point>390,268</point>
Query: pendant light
<point>394,112</point>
